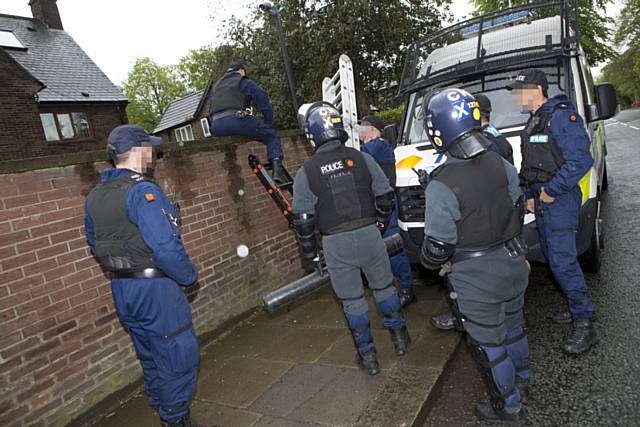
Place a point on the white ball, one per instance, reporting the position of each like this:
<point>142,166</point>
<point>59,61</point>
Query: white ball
<point>241,192</point>
<point>242,251</point>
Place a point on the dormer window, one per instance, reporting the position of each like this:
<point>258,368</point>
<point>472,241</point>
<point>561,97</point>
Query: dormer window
<point>10,41</point>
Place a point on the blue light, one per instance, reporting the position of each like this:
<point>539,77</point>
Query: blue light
<point>494,23</point>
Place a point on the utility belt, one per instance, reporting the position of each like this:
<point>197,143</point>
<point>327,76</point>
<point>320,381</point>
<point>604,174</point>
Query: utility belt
<point>350,226</point>
<point>147,273</point>
<point>240,114</point>
<point>514,247</point>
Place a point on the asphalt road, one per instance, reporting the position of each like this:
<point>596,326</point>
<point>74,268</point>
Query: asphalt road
<point>601,387</point>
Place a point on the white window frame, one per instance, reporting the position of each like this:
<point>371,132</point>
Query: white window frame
<point>205,127</point>
<point>184,133</point>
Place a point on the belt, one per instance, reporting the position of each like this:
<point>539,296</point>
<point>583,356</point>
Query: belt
<point>463,256</point>
<point>147,273</point>
<point>228,113</point>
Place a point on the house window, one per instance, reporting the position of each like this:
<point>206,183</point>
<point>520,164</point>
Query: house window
<point>184,134</point>
<point>205,127</point>
<point>65,125</point>
<point>8,39</point>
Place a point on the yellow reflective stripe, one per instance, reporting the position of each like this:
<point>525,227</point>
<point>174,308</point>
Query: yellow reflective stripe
<point>409,162</point>
<point>585,186</point>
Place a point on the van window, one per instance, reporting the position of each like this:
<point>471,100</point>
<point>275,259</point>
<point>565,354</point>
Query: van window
<point>588,79</point>
<point>505,111</point>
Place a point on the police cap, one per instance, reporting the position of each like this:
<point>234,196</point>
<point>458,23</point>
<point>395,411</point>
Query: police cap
<point>529,79</point>
<point>125,137</point>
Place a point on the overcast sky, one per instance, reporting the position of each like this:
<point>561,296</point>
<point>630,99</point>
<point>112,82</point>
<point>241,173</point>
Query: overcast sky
<point>117,32</point>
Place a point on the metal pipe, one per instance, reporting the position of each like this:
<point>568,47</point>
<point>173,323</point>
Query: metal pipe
<point>311,282</point>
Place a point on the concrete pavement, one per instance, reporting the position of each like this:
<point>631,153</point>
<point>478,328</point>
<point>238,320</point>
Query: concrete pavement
<point>296,368</point>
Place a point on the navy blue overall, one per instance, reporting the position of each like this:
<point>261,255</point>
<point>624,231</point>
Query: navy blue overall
<point>156,311</point>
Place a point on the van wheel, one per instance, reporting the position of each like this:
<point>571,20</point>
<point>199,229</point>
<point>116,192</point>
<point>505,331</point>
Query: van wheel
<point>605,179</point>
<point>591,259</point>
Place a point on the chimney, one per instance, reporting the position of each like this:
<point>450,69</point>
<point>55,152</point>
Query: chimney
<point>46,11</point>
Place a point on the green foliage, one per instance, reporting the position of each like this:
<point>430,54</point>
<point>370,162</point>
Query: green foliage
<point>391,115</point>
<point>151,88</point>
<point>624,73</point>
<point>628,31</point>
<point>198,65</point>
<point>375,35</point>
<point>593,22</point>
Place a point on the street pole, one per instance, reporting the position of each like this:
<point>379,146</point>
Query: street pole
<point>268,7</point>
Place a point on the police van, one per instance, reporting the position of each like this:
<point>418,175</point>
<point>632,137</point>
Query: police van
<point>483,55</point>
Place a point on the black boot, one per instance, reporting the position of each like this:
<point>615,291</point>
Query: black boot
<point>523,388</point>
<point>277,172</point>
<point>401,340</point>
<point>406,296</point>
<point>562,316</point>
<point>369,362</point>
<point>183,422</point>
<point>582,338</point>
<point>497,414</point>
<point>444,321</point>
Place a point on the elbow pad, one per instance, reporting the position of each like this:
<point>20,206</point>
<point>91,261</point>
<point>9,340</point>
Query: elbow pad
<point>305,227</point>
<point>384,207</point>
<point>434,253</point>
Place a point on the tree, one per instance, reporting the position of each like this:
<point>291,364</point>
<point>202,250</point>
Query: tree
<point>594,25</point>
<point>375,35</point>
<point>628,31</point>
<point>151,88</point>
<point>199,65</point>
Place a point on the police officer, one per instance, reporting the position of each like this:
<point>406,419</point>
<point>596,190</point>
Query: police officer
<point>555,156</point>
<point>132,231</point>
<point>343,194</point>
<point>498,144</point>
<point>230,101</point>
<point>473,221</point>
<point>370,129</point>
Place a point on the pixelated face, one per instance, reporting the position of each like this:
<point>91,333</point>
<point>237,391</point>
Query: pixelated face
<point>529,97</point>
<point>144,158</point>
<point>368,132</point>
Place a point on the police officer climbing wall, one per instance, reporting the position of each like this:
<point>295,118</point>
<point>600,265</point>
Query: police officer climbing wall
<point>555,156</point>
<point>344,195</point>
<point>230,103</point>
<point>370,129</point>
<point>132,230</point>
<point>473,222</point>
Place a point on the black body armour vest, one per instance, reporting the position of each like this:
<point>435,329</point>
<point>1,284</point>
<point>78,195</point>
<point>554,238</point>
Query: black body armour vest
<point>342,182</point>
<point>119,244</point>
<point>226,94</point>
<point>506,151</point>
<point>541,157</point>
<point>488,216</point>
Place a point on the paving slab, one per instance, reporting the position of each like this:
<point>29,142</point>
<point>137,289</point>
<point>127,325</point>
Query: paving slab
<point>295,387</point>
<point>341,401</point>
<point>208,413</point>
<point>134,412</point>
<point>300,344</point>
<point>239,381</point>
<point>268,421</point>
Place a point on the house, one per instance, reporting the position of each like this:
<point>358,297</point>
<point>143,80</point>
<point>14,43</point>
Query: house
<point>53,98</point>
<point>185,119</point>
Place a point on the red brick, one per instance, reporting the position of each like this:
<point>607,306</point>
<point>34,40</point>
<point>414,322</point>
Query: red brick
<point>100,333</point>
<point>83,297</point>
<point>9,418</point>
<point>8,239</point>
<point>57,194</point>
<point>39,209</point>
<point>40,267</point>
<point>33,244</point>
<point>60,329</point>
<point>19,261</point>
<point>39,327</point>
<point>7,252</point>
<point>55,227</point>
<point>20,201</point>
<point>53,309</point>
<point>34,390</point>
<point>11,276</point>
<point>84,352</point>
<point>65,236</point>
<point>7,315</point>
<point>34,187</point>
<point>59,272</point>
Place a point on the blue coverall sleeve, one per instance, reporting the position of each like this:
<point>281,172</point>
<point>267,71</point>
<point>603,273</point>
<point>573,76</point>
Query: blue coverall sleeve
<point>304,201</point>
<point>260,99</point>
<point>441,213</point>
<point>379,182</point>
<point>88,227</point>
<point>568,130</point>
<point>150,210</point>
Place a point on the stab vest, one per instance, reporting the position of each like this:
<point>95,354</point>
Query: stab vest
<point>541,157</point>
<point>341,180</point>
<point>506,151</point>
<point>488,216</point>
<point>119,244</point>
<point>226,94</point>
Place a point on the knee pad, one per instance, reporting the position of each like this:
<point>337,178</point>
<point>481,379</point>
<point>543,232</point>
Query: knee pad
<point>518,349</point>
<point>390,308</point>
<point>354,306</point>
<point>498,372</point>
<point>385,293</point>
<point>361,332</point>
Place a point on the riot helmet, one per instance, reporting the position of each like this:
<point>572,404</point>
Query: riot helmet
<point>322,123</point>
<point>452,122</point>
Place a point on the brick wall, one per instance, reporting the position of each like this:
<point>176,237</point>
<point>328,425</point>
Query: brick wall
<point>21,133</point>
<point>62,348</point>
